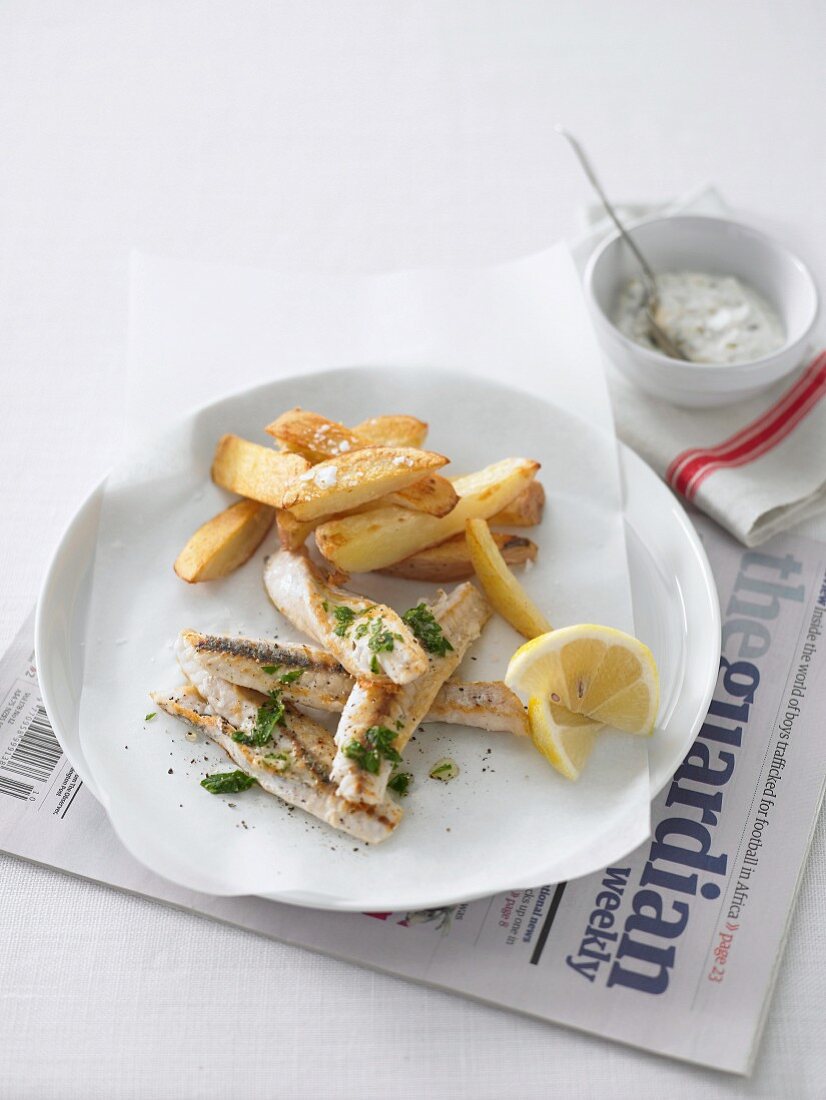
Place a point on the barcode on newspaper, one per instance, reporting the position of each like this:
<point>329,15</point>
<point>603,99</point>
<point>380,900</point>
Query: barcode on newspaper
<point>36,754</point>
<point>15,789</point>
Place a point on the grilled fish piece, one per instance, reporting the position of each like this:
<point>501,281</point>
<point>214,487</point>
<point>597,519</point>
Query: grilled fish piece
<point>241,706</point>
<point>369,639</point>
<point>377,711</point>
<point>483,705</point>
<point>289,767</point>
<point>325,685</point>
<point>314,678</point>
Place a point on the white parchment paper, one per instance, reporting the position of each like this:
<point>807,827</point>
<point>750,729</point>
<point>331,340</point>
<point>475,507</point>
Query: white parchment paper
<point>198,330</point>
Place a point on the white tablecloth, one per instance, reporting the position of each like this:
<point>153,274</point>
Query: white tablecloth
<point>355,135</point>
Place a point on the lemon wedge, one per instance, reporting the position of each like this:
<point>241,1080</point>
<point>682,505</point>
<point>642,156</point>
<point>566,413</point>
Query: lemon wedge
<point>579,679</point>
<point>565,738</point>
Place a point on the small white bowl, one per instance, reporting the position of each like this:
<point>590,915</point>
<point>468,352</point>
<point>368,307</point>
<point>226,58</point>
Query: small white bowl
<point>717,246</point>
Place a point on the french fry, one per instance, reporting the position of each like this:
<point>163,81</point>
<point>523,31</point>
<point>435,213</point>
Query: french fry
<point>293,532</point>
<point>355,478</point>
<point>224,542</point>
<point>318,439</point>
<point>525,510</point>
<point>433,494</point>
<point>384,536</point>
<point>501,587</point>
<point>393,431</point>
<point>258,473</point>
<point>313,436</point>
<point>450,561</point>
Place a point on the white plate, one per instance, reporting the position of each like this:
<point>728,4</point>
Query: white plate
<point>676,613</point>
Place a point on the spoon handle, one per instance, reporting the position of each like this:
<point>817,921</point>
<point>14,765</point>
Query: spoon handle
<point>651,287</point>
<point>658,333</point>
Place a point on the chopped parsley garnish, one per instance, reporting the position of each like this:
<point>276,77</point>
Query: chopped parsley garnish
<point>381,640</point>
<point>382,738</point>
<point>444,770</point>
<point>426,628</point>
<point>376,746</point>
<point>281,761</point>
<point>270,715</point>
<point>366,758</point>
<point>344,617</point>
<point>291,676</point>
<point>152,714</point>
<point>400,783</point>
<point>399,723</point>
<point>227,782</point>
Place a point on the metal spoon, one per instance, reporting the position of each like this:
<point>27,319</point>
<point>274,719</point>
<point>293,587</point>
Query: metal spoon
<point>649,281</point>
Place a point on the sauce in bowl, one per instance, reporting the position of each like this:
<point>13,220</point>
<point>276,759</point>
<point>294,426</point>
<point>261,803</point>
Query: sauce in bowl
<point>711,318</point>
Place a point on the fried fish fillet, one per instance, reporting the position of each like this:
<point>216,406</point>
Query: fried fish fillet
<point>369,639</point>
<point>323,684</point>
<point>314,678</point>
<point>379,719</point>
<point>480,704</point>
<point>294,766</point>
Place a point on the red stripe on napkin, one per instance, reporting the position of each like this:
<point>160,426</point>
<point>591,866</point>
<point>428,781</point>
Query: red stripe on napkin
<point>690,468</point>
<point>750,429</point>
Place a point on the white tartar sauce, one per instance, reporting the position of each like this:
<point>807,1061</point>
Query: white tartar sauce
<point>711,318</point>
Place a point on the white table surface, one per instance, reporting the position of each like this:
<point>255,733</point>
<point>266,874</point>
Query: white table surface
<point>344,134</point>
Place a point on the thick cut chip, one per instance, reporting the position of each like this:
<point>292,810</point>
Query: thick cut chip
<point>259,473</point>
<point>384,536</point>
<point>313,436</point>
<point>450,561</point>
<point>352,479</point>
<point>502,588</point>
<point>318,439</point>
<point>525,511</point>
<point>224,542</point>
<point>434,495</point>
<point>393,431</point>
<point>292,532</point>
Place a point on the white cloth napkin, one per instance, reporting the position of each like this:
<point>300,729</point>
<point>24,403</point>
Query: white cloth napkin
<point>758,467</point>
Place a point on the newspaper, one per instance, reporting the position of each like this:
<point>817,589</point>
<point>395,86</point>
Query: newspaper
<point>674,950</point>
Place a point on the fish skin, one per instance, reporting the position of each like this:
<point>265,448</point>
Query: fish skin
<point>325,685</point>
<point>299,590</point>
<point>310,790</point>
<point>239,706</point>
<point>461,614</point>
